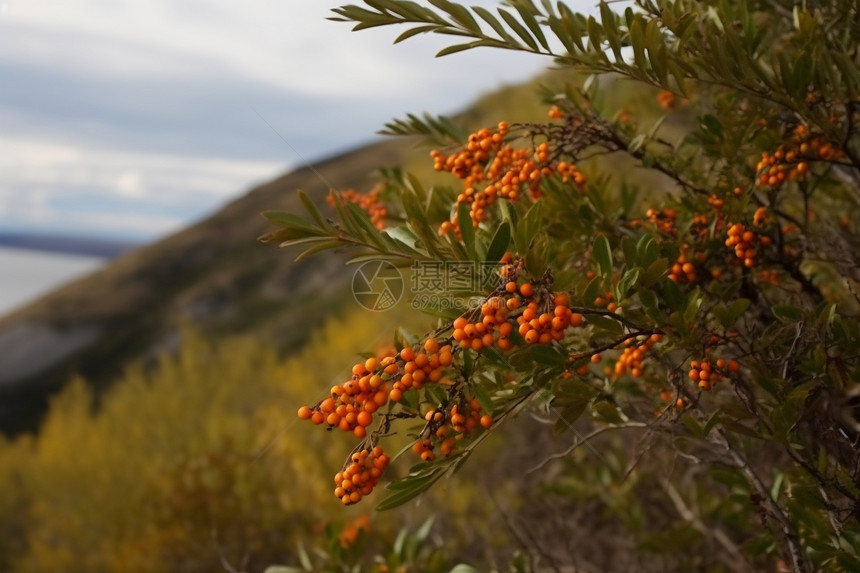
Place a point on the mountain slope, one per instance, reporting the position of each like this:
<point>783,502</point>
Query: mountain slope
<point>213,274</point>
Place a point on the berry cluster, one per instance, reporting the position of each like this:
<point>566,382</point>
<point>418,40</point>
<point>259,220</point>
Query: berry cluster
<point>538,327</point>
<point>683,270</point>
<point>492,328</point>
<point>491,170</point>
<point>368,202</point>
<point>351,405</point>
<point>420,367</point>
<point>360,475</point>
<point>607,301</point>
<point>745,242</point>
<point>663,220</point>
<point>666,99</point>
<point>349,534</point>
<point>446,428</point>
<point>791,162</point>
<point>634,355</point>
<point>708,374</point>
<point>569,172</point>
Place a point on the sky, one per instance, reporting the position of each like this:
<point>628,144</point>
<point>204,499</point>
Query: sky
<point>130,119</point>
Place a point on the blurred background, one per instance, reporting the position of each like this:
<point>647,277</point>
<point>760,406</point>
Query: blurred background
<point>153,353</point>
<point>123,122</point>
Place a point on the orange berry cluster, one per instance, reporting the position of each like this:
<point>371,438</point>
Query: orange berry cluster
<point>538,327</point>
<point>368,202</point>
<point>666,99</point>
<point>349,534</point>
<point>683,270</point>
<point>570,172</point>
<point>492,328</point>
<point>744,243</point>
<point>791,161</point>
<point>702,223</point>
<point>420,367</point>
<point>634,355</point>
<point>445,429</point>
<point>708,374</point>
<point>663,220</point>
<point>351,405</point>
<point>607,301</point>
<point>360,475</point>
<point>669,397</point>
<point>491,170</point>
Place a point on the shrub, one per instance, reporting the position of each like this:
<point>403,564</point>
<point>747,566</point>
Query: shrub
<point>682,270</point>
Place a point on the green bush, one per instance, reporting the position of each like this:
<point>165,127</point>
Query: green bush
<point>676,292</point>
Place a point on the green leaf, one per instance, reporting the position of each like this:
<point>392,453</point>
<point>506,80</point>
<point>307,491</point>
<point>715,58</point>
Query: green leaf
<point>548,355</point>
<point>312,209</point>
<point>460,14</point>
<point>463,568</point>
<point>518,29</point>
<point>605,324</point>
<point>464,218</point>
<point>732,312</point>
<point>290,221</point>
<point>602,253</point>
<point>787,313</point>
<point>413,490</point>
<point>323,245</point>
<point>410,482</point>
<point>655,271</point>
<point>607,17</point>
<point>494,23</point>
<point>672,294</point>
<point>533,25</point>
<point>454,49</point>
<point>499,244</point>
<point>283,569</point>
<point>424,531</point>
<point>484,398</point>
<point>607,412</point>
<point>569,414</point>
<point>415,31</point>
<point>693,426</point>
<point>627,282</point>
<point>527,228</point>
<point>649,250</point>
<point>631,257</point>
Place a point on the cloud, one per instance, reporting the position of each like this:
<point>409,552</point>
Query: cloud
<point>59,187</point>
<point>154,107</point>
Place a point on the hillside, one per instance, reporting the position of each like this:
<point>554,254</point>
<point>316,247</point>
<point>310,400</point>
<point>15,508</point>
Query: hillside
<point>213,274</point>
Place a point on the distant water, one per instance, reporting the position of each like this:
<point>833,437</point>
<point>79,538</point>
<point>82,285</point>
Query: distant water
<point>25,275</point>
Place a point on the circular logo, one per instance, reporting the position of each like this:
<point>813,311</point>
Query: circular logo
<point>377,285</point>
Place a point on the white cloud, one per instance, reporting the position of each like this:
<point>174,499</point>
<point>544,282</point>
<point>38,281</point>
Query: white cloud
<point>149,102</point>
<point>124,173</point>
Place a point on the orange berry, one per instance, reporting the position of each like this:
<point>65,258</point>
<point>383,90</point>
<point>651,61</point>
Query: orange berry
<point>364,418</point>
<point>305,413</point>
<point>527,290</point>
<point>486,420</point>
